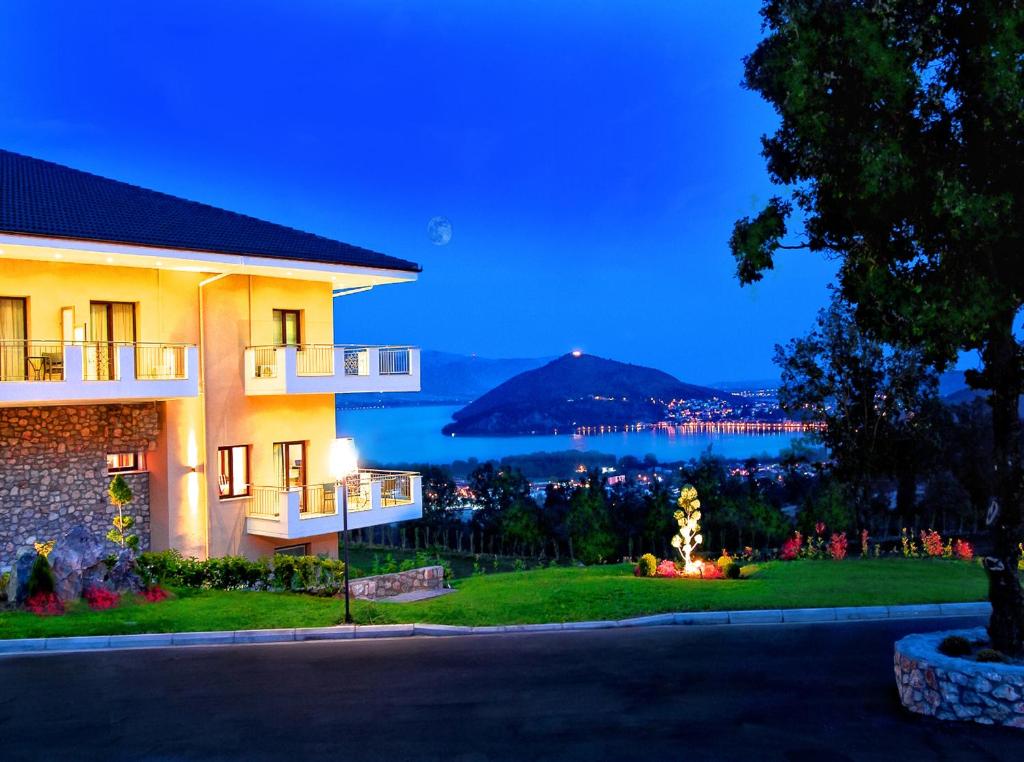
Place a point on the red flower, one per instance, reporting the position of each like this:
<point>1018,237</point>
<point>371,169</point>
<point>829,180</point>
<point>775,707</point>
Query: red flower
<point>931,541</point>
<point>963,550</point>
<point>837,546</point>
<point>711,571</point>
<point>157,594</point>
<point>667,568</point>
<point>101,599</point>
<point>819,528</point>
<point>791,548</point>
<point>45,604</point>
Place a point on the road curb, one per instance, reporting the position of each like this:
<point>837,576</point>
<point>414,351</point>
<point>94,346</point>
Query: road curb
<point>844,614</point>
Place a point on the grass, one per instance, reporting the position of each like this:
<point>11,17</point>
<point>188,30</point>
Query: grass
<point>544,595</point>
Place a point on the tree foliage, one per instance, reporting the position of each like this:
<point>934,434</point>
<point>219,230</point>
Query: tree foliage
<point>900,149</point>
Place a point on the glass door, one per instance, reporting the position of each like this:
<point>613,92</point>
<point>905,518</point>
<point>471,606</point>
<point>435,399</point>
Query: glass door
<point>291,468</point>
<point>287,328</point>
<point>111,324</point>
<point>13,336</point>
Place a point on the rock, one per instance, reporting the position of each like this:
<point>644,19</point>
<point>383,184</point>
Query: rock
<point>17,585</point>
<point>124,575</point>
<point>75,557</point>
<point>1006,692</point>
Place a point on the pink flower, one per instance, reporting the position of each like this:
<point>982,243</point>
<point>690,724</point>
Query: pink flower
<point>837,546</point>
<point>791,548</point>
<point>819,528</point>
<point>667,568</point>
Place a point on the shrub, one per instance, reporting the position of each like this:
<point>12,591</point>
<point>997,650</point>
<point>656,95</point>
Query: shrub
<point>724,560</point>
<point>155,594</point>
<point>101,599</point>
<point>40,579</point>
<point>310,574</point>
<point>955,645</point>
<point>963,550</point>
<point>667,568</point>
<point>931,541</point>
<point>5,578</point>
<point>863,543</point>
<point>44,604</point>
<point>648,565</point>
<point>791,548</point>
<point>990,655</point>
<point>733,571</point>
<point>837,546</point>
<point>711,571</point>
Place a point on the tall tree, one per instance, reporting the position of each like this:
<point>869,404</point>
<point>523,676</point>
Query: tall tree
<point>876,404</point>
<point>901,146</point>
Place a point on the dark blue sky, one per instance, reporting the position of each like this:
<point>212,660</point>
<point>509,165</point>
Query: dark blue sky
<point>592,157</point>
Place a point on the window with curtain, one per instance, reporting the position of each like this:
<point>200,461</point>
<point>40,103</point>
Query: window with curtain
<point>12,339</point>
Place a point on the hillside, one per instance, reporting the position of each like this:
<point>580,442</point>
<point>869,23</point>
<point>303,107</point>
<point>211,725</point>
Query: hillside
<point>575,391</point>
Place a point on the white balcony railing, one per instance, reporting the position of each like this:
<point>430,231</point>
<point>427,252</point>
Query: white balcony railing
<point>41,372</point>
<point>374,497</point>
<point>331,369</point>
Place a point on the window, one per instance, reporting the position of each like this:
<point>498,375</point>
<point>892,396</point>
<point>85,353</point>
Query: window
<point>292,550</point>
<point>120,462</point>
<point>233,473</point>
<point>287,328</point>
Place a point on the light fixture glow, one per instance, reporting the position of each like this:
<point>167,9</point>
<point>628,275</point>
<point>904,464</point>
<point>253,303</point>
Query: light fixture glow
<point>344,459</point>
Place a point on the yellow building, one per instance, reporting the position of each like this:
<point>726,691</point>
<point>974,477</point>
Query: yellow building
<point>192,350</point>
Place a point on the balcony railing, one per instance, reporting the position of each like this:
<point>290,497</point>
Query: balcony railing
<point>331,369</point>
<point>374,497</point>
<point>56,371</point>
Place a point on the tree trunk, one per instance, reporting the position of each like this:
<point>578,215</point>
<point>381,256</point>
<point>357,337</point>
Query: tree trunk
<point>1003,376</point>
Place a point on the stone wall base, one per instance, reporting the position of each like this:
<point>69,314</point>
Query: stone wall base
<point>951,688</point>
<point>387,585</point>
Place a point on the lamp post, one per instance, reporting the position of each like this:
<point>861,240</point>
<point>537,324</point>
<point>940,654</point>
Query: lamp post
<point>344,463</point>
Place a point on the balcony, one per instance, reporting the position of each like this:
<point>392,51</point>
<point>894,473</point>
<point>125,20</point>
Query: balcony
<point>51,372</point>
<point>331,369</point>
<point>374,497</point>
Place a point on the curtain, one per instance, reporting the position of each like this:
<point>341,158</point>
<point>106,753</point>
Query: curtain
<point>12,339</point>
<point>123,319</point>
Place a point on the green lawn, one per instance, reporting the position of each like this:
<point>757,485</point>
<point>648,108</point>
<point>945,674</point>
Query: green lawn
<point>544,595</point>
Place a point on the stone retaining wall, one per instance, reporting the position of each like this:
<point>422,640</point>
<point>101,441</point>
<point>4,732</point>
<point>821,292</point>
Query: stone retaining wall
<point>951,688</point>
<point>53,470</point>
<point>386,585</point>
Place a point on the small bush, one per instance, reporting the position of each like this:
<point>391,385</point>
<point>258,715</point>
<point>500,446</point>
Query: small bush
<point>792,548</point>
<point>733,571</point>
<point>40,579</point>
<point>990,655</point>
<point>955,645</point>
<point>5,579</point>
<point>724,560</point>
<point>44,604</point>
<point>667,568</point>
<point>711,571</point>
<point>155,594</point>
<point>648,565</point>
<point>963,550</point>
<point>101,599</point>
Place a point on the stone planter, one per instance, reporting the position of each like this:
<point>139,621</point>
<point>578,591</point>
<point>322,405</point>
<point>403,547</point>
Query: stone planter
<point>388,585</point>
<point>952,688</point>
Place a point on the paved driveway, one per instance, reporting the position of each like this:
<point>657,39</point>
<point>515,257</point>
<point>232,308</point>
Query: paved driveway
<point>640,695</point>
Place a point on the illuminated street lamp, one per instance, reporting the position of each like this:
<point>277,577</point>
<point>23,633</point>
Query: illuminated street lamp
<point>344,463</point>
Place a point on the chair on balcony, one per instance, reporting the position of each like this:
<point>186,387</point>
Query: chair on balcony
<point>329,502</point>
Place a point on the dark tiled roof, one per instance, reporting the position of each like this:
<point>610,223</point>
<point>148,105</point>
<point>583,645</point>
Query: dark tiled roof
<point>42,198</point>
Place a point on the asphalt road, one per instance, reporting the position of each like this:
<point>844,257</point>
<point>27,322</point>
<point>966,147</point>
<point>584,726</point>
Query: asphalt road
<point>641,695</point>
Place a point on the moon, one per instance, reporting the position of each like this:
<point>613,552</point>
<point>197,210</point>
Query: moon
<point>440,230</point>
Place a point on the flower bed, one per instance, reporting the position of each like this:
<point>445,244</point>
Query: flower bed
<point>957,688</point>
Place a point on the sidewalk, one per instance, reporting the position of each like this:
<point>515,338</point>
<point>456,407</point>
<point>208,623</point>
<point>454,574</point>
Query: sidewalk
<point>355,632</point>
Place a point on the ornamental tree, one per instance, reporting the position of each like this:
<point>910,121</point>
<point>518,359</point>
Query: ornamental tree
<point>120,495</point>
<point>899,153</point>
<point>689,537</point>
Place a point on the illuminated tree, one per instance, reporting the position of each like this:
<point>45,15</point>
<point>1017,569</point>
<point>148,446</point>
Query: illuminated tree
<point>689,537</point>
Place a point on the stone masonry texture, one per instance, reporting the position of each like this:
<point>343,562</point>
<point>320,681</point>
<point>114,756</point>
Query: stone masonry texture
<point>951,688</point>
<point>387,585</point>
<point>53,471</point>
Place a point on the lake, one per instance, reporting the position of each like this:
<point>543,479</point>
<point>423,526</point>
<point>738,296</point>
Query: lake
<point>413,435</point>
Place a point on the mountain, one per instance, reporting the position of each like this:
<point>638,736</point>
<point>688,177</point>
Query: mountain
<point>573,391</point>
<point>449,378</point>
